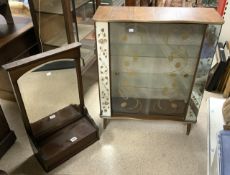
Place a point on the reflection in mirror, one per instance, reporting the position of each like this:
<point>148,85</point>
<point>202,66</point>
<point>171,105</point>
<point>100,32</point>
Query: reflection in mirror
<point>48,88</point>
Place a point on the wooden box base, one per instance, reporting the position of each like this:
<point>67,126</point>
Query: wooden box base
<point>66,141</point>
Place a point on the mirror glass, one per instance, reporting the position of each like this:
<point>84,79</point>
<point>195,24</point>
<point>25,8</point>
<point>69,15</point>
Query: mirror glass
<point>49,88</point>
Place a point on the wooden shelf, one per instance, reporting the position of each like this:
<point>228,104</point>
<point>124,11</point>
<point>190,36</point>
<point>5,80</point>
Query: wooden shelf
<point>47,126</point>
<point>22,24</point>
<point>158,15</point>
<point>58,37</point>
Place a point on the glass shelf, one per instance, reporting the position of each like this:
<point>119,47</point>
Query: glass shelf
<point>155,50</point>
<point>163,34</point>
<point>153,65</point>
<point>57,38</point>
<point>146,85</point>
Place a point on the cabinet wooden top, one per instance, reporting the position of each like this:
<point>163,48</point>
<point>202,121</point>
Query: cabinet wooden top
<point>158,15</point>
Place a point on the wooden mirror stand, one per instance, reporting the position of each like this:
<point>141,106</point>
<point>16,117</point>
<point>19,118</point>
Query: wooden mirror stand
<point>62,134</point>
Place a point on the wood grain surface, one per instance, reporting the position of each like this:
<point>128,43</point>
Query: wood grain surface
<point>39,57</point>
<point>158,15</point>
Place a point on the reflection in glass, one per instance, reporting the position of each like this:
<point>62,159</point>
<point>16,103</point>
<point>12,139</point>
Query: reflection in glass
<point>207,54</point>
<point>46,89</point>
<point>152,67</point>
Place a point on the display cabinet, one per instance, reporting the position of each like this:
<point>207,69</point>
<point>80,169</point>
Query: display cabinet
<point>153,62</point>
<point>52,106</point>
<point>59,22</point>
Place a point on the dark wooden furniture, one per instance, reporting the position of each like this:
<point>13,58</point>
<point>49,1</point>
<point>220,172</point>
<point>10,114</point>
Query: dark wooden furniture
<point>7,136</point>
<point>154,62</point>
<point>62,133</point>
<point>17,40</point>
<point>3,172</point>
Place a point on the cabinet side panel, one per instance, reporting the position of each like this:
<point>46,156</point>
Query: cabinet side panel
<point>204,65</point>
<point>103,67</point>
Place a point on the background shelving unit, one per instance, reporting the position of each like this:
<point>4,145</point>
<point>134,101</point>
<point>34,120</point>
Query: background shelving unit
<point>60,22</point>
<point>167,52</point>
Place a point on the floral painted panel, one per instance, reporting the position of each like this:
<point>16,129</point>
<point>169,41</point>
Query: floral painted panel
<point>103,67</point>
<point>206,58</point>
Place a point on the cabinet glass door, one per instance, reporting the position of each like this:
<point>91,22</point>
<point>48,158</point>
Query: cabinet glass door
<point>153,67</point>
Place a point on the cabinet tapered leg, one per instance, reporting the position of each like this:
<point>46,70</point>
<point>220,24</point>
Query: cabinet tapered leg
<point>105,122</point>
<point>189,126</point>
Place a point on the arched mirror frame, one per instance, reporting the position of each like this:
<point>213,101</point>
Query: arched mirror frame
<point>18,68</point>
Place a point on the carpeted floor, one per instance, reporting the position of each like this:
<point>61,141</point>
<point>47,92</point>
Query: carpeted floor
<point>126,146</point>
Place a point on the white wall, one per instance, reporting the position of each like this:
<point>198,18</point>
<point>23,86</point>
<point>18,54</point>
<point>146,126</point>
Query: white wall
<point>225,33</point>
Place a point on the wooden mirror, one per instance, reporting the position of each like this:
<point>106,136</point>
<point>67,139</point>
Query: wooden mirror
<point>49,92</point>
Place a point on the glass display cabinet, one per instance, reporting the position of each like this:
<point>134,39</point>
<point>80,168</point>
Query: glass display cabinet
<point>59,22</point>
<point>153,62</point>
<point>52,106</point>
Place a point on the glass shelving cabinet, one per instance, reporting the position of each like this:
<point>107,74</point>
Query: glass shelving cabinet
<point>153,62</point>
